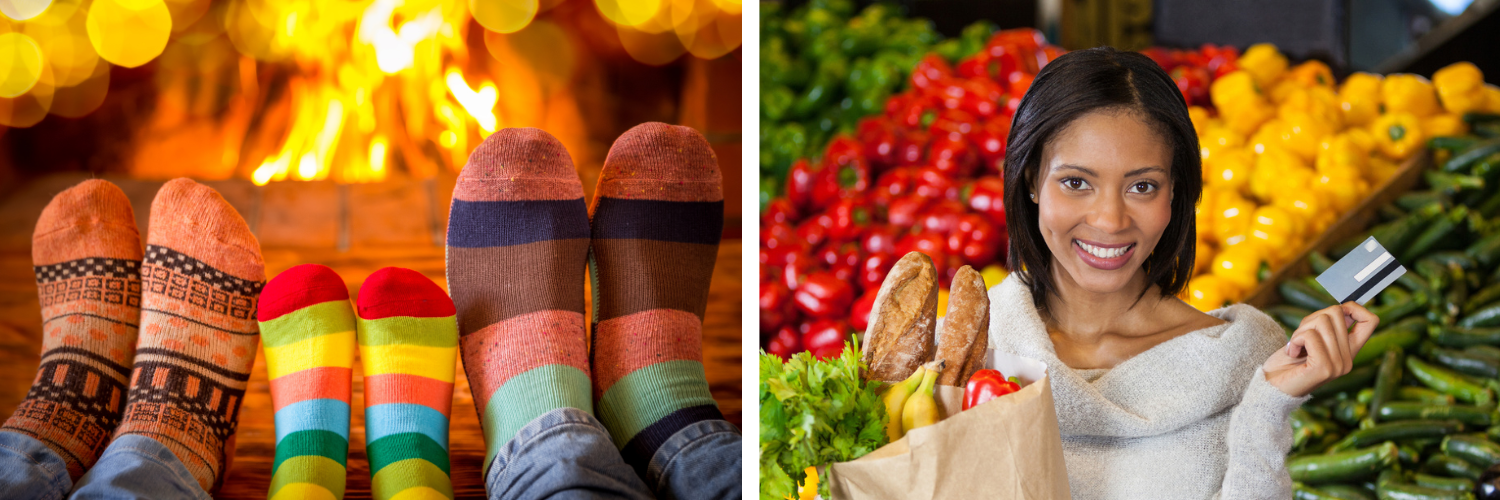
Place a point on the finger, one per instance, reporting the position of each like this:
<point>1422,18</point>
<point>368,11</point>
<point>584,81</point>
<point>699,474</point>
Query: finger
<point>1332,338</point>
<point>1339,345</point>
<point>1337,342</point>
<point>1365,323</point>
<point>1319,363</point>
<point>1320,312</point>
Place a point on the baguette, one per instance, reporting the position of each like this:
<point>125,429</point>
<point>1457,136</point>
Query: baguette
<point>965,333</point>
<point>902,321</point>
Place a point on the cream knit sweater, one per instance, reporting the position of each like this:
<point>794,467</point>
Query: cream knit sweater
<point>1192,417</point>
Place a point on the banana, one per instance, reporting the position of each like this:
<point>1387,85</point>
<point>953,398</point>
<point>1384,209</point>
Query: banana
<point>895,398</point>
<point>921,408</point>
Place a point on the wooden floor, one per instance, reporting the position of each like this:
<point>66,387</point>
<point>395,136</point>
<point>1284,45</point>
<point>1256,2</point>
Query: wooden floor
<point>20,344</point>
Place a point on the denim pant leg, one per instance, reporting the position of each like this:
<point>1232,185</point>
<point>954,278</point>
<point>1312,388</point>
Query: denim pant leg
<point>135,466</point>
<point>565,453</point>
<point>29,470</point>
<point>700,461</point>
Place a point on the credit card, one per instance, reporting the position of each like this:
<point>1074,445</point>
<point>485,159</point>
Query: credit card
<point>1361,274</point>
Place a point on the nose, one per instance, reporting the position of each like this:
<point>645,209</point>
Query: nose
<point>1108,213</point>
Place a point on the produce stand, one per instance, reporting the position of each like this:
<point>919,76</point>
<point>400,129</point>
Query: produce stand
<point>1351,224</point>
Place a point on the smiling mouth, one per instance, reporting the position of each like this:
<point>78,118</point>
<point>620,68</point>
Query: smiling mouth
<point>1105,252</point>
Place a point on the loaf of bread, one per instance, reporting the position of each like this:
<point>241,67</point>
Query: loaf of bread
<point>902,321</point>
<point>965,336</point>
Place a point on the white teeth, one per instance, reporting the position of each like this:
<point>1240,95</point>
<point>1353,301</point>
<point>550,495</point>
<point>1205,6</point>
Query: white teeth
<point>1104,253</point>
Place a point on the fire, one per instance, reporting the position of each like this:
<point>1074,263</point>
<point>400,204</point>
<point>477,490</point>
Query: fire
<point>349,91</point>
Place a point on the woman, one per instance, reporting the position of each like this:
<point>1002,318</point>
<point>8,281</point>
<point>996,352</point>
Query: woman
<point>1154,398</point>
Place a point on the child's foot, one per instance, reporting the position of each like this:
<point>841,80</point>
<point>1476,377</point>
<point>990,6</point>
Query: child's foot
<point>308,330</point>
<point>87,256</point>
<point>408,342</point>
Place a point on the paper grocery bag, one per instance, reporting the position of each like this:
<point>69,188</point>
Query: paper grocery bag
<point>1008,447</point>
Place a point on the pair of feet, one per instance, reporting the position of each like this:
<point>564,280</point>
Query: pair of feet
<point>156,342</point>
<point>521,237</point>
<point>404,327</point>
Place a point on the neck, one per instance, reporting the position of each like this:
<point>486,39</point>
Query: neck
<point>1085,317</point>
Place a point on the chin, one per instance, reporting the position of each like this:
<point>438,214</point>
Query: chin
<point>1103,282</point>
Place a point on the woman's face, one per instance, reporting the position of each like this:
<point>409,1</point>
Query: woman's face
<point>1104,198</point>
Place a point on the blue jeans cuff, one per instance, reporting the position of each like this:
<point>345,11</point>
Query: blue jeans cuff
<point>571,420</point>
<point>685,443</point>
<point>124,463</point>
<point>32,470</point>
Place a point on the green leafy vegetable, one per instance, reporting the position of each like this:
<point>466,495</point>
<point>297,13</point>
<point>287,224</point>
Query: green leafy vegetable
<point>814,412</point>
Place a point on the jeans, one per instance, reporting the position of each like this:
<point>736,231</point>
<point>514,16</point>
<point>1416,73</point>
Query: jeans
<point>133,466</point>
<point>565,453</point>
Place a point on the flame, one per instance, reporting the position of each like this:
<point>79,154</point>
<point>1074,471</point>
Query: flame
<point>347,91</point>
<point>480,104</point>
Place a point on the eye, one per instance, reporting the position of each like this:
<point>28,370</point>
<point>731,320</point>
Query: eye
<point>1143,187</point>
<point>1075,184</point>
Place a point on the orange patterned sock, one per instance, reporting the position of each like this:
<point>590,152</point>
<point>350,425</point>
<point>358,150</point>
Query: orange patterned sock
<point>87,256</point>
<point>201,277</point>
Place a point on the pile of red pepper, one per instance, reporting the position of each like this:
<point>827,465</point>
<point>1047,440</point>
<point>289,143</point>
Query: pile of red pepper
<point>1194,70</point>
<point>922,176</point>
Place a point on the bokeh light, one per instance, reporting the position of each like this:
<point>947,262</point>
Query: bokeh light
<point>629,12</point>
<point>79,100</point>
<point>129,33</point>
<point>503,16</point>
<point>20,64</point>
<point>29,108</point>
<point>21,10</point>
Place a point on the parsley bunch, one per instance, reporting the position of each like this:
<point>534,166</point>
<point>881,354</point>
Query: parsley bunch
<point>812,413</point>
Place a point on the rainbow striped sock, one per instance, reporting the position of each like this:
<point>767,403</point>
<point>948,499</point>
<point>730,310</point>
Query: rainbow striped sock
<point>408,344</point>
<point>308,330</point>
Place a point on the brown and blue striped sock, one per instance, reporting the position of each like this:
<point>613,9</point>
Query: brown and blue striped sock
<point>657,218</point>
<point>518,238</point>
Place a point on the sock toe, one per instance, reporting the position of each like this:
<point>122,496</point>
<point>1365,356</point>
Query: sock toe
<point>517,164</point>
<point>299,287</point>
<point>91,219</point>
<point>195,220</point>
<point>396,291</point>
<point>657,161</point>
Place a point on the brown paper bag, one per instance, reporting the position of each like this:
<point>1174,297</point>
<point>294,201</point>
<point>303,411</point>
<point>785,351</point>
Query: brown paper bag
<point>1006,448</point>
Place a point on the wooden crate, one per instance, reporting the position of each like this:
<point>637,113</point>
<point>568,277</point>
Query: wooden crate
<point>1348,226</point>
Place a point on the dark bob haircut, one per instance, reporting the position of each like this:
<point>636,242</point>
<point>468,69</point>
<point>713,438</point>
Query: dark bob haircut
<point>1068,88</point>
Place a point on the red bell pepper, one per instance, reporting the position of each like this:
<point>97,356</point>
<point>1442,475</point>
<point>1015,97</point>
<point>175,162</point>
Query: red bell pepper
<point>786,343</point>
<point>879,238</point>
<point>779,210</point>
<point>823,295</point>
<point>892,184</point>
<point>930,72</point>
<point>800,179</point>
<point>825,337</point>
<point>873,270</point>
<point>985,385</point>
<point>776,307</point>
<point>859,313</point>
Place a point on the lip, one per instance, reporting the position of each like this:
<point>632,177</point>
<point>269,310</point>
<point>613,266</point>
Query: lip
<point>1100,263</point>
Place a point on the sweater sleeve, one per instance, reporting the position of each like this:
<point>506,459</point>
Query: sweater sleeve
<point>1260,435</point>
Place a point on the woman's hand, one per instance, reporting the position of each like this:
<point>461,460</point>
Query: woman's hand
<point>1322,348</point>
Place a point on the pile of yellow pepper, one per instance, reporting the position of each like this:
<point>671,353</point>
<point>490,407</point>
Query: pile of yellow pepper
<point>1289,151</point>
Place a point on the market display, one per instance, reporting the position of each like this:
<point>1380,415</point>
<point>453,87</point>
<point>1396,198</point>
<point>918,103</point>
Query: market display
<point>1416,417</point>
<point>1287,152</point>
<point>921,174</point>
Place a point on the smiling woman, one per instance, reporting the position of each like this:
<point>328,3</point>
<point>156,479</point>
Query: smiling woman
<point>1154,398</point>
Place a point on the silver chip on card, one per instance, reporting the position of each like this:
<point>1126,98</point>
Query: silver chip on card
<point>1361,274</point>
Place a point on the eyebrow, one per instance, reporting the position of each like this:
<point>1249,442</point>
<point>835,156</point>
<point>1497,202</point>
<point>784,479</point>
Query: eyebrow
<point>1086,171</point>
